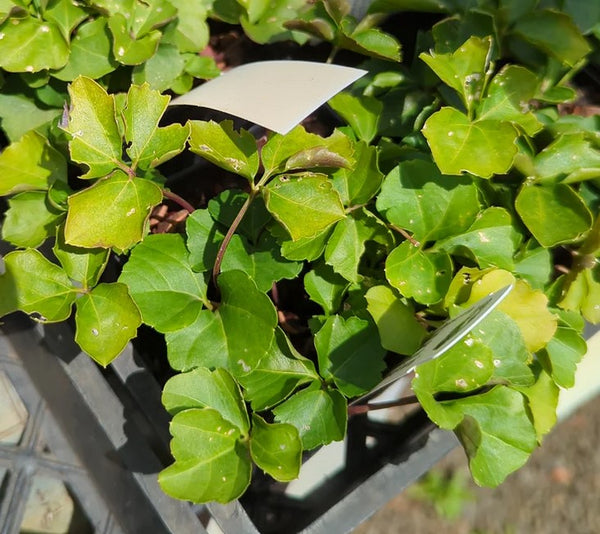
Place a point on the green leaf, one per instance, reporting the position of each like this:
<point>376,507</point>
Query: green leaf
<point>416,197</point>
<point>220,144</point>
<point>262,263</point>
<point>267,25</point>
<point>399,330</point>
<point>554,33</point>
<point>127,49</point>
<point>496,432</point>
<point>325,287</point>
<point>542,400</point>
<point>162,284</point>
<point>220,470</point>
<point>370,42</point>
<point>527,307</point>
<point>360,183</point>
<point>150,15</point>
<point>84,265</point>
<point>20,114</point>
<point>276,449</point>
<point>33,284</point>
<point>279,148</point>
<point>30,163</point>
<point>305,248</point>
<point>90,52</point>
<point>465,70</point>
<point>96,140</point>
<point>540,206</point>
<point>319,415</point>
<point>191,30</point>
<point>315,158</point>
<point>482,147</point>
<point>350,353</point>
<point>30,219</point>
<point>568,157</point>
<point>149,145</point>
<point>277,374</point>
<point>31,45</point>
<point>203,240</point>
<point>202,343</point>
<point>312,195</point>
<point>562,354</point>
<point>491,240</point>
<point>360,112</point>
<point>106,319</point>
<point>162,69</point>
<point>66,14</point>
<point>203,388</point>
<point>511,358</point>
<point>113,212</point>
<point>508,99</point>
<point>424,276</point>
<point>534,264</point>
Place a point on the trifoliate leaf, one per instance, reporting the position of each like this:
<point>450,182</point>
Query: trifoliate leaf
<point>33,284</point>
<point>319,415</point>
<point>96,141</point>
<point>399,330</point>
<point>277,374</point>
<point>162,284</point>
<point>112,213</point>
<point>276,449</point>
<point>220,144</point>
<point>203,388</point>
<point>84,265</point>
<point>417,198</point>
<point>30,219</point>
<point>312,195</point>
<point>424,276</point>
<point>541,206</point>
<point>350,353</point>
<point>482,147</point>
<point>30,163</point>
<point>220,470</point>
<point>30,45</point>
<point>150,145</point>
<point>106,320</point>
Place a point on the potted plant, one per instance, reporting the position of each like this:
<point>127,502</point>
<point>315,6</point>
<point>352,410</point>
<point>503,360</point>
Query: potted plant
<point>291,284</point>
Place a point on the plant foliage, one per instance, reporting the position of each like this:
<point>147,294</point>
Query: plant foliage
<point>457,173</point>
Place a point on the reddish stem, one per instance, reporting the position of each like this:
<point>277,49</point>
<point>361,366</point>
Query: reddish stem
<point>178,200</point>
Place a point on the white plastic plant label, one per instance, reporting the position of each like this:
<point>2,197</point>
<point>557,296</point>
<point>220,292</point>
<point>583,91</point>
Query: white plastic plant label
<point>444,338</point>
<point>275,94</point>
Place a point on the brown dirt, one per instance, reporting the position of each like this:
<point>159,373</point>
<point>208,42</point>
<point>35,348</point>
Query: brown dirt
<point>558,491</point>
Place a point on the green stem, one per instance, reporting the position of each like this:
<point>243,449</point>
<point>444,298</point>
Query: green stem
<point>332,55</point>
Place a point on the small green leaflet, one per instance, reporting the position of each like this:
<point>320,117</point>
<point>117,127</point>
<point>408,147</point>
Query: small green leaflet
<point>311,195</point>
<point>276,448</point>
<point>106,319</point>
<point>30,163</point>
<point>277,374</point>
<point>96,141</point>
<point>203,388</point>
<point>111,213</point>
<point>220,470</point>
<point>149,145</point>
<point>350,353</point>
<point>416,197</point>
<point>162,284</point>
<point>399,330</point>
<point>325,287</point>
<point>481,147</point>
<point>360,112</point>
<point>220,144</point>
<point>33,284</point>
<point>126,48</point>
<point>67,15</point>
<point>562,354</point>
<point>320,415</point>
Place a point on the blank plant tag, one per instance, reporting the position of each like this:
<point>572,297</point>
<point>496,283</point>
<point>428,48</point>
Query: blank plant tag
<point>275,94</point>
<point>444,338</point>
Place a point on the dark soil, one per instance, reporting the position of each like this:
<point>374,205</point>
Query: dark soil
<point>558,491</point>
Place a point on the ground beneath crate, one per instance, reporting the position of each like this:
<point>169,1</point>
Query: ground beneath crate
<point>556,492</point>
